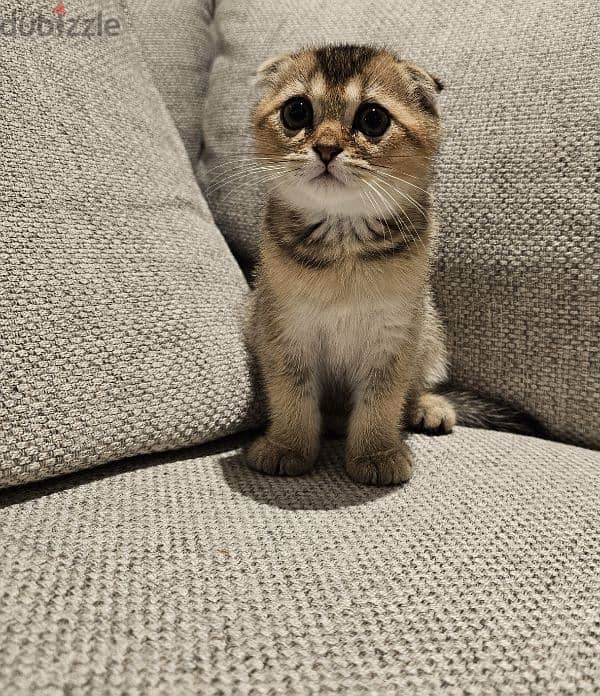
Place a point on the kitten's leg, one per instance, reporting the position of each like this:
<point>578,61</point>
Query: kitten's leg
<point>426,411</point>
<point>375,452</point>
<point>291,443</point>
<point>431,413</point>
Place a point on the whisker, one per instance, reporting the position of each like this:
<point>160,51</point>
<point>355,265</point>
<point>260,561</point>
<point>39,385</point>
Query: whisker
<point>402,211</point>
<point>219,175</point>
<point>408,183</point>
<point>245,163</point>
<point>377,218</point>
<point>385,198</point>
<point>240,176</point>
<point>403,194</point>
<point>259,182</point>
<point>378,168</point>
<point>416,156</point>
<point>225,176</point>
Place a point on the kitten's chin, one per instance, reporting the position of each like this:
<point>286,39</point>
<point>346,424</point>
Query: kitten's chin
<point>325,195</point>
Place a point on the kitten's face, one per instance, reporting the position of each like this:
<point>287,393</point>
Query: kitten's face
<point>346,130</point>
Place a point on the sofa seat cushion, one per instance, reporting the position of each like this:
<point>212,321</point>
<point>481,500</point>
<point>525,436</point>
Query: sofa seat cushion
<point>187,573</point>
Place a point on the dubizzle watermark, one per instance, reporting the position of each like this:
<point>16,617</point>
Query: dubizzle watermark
<point>57,24</point>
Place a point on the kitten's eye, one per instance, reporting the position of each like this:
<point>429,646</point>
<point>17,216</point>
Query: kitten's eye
<point>372,120</point>
<point>297,114</point>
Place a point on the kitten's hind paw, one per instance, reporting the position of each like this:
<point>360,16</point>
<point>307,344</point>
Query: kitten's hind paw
<point>432,414</point>
<point>268,457</point>
<point>387,468</point>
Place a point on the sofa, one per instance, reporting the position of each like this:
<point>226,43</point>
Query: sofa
<point>138,553</point>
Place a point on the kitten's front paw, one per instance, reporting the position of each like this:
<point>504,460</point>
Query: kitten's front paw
<point>387,468</point>
<point>268,457</point>
<point>432,414</point>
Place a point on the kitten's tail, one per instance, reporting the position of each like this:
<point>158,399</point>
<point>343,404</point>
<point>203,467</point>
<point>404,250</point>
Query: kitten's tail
<point>475,411</point>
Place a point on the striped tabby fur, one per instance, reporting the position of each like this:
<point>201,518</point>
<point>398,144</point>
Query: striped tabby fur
<point>343,326</point>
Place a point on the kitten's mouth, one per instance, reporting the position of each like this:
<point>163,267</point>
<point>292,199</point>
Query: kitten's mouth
<point>327,177</point>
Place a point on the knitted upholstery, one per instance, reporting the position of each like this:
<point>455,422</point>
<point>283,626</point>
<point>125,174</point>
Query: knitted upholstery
<point>178,48</point>
<point>187,573</point>
<point>119,299</point>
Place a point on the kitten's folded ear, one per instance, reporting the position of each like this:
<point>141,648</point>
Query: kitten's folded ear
<point>426,87</point>
<point>420,73</point>
<point>267,72</point>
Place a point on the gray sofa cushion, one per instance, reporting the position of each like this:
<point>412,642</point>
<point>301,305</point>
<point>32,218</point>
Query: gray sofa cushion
<point>177,45</point>
<point>517,177</point>
<point>187,573</point>
<point>118,295</point>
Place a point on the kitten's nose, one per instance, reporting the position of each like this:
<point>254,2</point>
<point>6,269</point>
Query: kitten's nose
<point>327,153</point>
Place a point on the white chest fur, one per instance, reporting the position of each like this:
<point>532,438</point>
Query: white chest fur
<point>351,325</point>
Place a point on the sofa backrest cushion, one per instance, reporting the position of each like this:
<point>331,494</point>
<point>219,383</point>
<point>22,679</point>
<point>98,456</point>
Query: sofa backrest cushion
<point>178,47</point>
<point>119,298</point>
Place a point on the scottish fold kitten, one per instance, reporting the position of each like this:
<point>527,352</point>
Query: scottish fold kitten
<point>343,325</point>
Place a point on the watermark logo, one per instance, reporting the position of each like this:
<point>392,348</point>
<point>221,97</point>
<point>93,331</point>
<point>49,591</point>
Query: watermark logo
<point>57,24</point>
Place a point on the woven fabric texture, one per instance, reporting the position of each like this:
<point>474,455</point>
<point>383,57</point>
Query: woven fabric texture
<point>517,277</point>
<point>177,46</point>
<point>197,576</point>
<point>119,298</point>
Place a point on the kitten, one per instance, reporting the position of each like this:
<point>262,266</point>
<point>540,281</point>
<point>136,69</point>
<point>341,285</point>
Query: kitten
<point>343,326</point>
